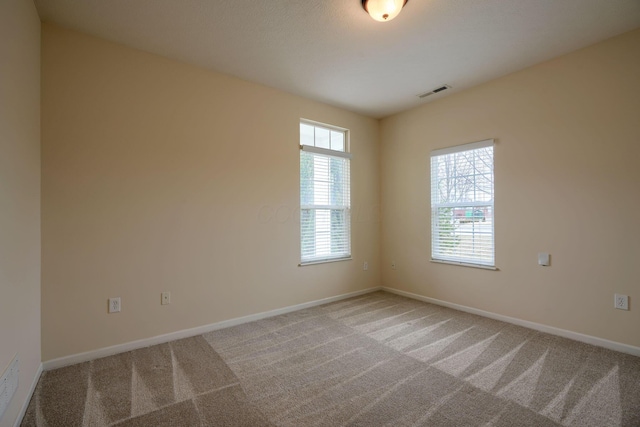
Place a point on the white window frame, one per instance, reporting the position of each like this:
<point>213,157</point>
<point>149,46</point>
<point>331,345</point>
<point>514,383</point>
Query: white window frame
<point>476,237</point>
<point>345,207</point>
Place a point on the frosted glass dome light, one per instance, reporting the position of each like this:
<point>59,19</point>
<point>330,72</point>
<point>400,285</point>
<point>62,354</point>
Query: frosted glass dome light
<point>383,10</point>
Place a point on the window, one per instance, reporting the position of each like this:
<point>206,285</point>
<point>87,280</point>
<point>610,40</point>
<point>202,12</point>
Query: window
<point>462,204</point>
<point>325,201</point>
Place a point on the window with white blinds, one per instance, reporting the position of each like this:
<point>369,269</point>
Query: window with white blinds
<point>462,221</point>
<point>325,200</point>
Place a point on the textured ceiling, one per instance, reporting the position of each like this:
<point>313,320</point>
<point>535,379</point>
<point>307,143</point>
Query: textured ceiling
<point>332,51</point>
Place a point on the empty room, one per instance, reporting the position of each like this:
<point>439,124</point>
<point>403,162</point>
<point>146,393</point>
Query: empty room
<point>319,213</point>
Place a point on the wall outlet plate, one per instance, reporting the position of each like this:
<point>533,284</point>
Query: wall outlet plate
<point>114,305</point>
<point>165,298</point>
<point>621,302</point>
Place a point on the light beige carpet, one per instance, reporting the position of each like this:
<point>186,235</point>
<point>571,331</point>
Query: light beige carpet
<point>374,360</point>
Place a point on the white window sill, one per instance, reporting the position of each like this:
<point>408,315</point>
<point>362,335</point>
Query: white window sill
<point>464,264</point>
<point>324,261</point>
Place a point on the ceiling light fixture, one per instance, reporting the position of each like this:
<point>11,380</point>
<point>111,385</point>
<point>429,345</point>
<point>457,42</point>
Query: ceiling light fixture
<point>383,10</point>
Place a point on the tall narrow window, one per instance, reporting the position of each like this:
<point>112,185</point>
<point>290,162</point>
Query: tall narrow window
<point>462,222</point>
<point>325,201</point>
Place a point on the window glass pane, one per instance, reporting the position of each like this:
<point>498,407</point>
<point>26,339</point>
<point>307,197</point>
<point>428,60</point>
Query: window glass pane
<point>339,221</point>
<point>306,178</point>
<point>306,134</point>
<point>322,138</point>
<point>462,206</point>
<point>324,196</point>
<point>339,181</point>
<point>323,233</point>
<point>308,233</point>
<point>337,141</point>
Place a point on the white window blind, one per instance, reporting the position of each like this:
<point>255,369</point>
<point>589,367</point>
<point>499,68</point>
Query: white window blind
<point>462,220</point>
<point>325,205</point>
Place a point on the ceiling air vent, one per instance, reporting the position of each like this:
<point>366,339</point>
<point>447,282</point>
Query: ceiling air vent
<point>434,91</point>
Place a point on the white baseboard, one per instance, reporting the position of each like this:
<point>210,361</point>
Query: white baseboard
<point>186,333</point>
<point>32,389</point>
<point>600,342</point>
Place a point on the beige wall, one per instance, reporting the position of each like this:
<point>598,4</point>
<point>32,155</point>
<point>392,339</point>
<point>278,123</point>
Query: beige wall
<point>19,195</point>
<point>160,176</point>
<point>567,181</point>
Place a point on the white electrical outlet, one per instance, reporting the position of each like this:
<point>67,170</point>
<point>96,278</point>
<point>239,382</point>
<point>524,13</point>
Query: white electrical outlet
<point>621,302</point>
<point>365,266</point>
<point>114,305</point>
<point>9,384</point>
<point>393,265</point>
<point>165,298</point>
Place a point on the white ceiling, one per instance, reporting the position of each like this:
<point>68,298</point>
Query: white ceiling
<point>332,51</point>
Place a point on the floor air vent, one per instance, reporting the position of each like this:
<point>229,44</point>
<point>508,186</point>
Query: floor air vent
<point>434,91</point>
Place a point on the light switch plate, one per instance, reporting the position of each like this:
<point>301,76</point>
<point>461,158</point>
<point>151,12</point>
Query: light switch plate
<point>544,259</point>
